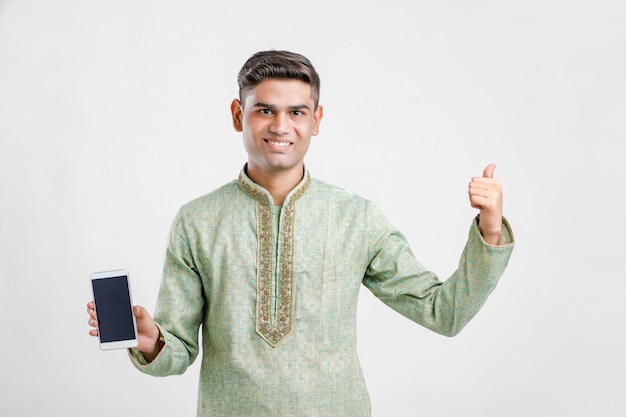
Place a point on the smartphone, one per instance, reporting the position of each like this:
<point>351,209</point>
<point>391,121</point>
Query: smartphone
<point>114,309</point>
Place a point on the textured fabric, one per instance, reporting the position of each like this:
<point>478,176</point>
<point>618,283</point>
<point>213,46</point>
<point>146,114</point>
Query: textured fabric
<point>279,325</point>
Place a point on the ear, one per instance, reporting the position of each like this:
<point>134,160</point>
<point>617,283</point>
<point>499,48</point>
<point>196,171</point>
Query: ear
<point>237,113</point>
<point>317,119</point>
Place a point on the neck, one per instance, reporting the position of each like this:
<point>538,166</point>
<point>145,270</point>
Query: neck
<point>279,183</point>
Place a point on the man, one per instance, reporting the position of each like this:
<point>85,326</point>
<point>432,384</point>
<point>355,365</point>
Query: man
<point>270,267</point>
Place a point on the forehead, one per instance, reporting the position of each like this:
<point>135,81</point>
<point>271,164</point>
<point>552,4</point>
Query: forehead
<point>280,92</point>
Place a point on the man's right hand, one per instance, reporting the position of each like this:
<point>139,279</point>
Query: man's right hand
<point>147,331</point>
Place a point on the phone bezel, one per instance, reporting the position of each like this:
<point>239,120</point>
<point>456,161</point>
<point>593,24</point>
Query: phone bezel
<point>119,344</point>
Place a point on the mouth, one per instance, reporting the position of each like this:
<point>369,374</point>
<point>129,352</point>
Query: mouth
<point>280,144</point>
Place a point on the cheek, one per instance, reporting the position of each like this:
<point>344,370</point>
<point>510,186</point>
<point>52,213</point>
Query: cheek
<point>304,142</point>
<point>252,128</point>
<point>305,130</point>
<point>248,141</point>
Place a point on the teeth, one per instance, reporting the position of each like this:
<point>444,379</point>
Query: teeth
<point>281,144</point>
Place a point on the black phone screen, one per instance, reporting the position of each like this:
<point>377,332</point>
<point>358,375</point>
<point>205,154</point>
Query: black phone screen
<point>113,309</point>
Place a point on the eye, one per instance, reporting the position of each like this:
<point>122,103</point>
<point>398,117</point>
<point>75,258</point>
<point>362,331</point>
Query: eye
<point>265,111</point>
<point>297,112</point>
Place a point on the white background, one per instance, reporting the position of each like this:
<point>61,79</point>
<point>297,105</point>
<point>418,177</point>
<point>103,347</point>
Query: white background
<point>114,113</point>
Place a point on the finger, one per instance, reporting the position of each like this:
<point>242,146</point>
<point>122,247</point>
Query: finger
<point>481,198</point>
<point>93,332</point>
<point>491,187</point>
<point>486,180</point>
<point>486,183</point>
<point>90,305</point>
<point>488,172</point>
<point>139,312</point>
<point>92,322</point>
<point>486,194</point>
<point>475,204</point>
<point>480,202</point>
<point>142,316</point>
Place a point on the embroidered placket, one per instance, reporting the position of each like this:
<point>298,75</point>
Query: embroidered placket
<point>274,285</point>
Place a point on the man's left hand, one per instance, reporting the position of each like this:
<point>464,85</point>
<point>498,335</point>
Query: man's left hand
<point>485,194</point>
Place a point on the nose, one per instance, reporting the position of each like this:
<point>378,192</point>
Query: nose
<point>280,124</point>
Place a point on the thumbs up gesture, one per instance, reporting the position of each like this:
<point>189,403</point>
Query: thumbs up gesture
<point>485,194</point>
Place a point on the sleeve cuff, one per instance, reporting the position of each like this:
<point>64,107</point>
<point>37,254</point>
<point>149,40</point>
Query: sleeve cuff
<point>137,357</point>
<point>507,238</point>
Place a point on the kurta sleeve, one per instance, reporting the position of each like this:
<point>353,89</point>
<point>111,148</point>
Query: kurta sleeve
<point>397,278</point>
<point>179,309</point>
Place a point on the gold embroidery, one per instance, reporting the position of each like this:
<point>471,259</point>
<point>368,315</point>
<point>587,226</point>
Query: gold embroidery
<point>272,333</point>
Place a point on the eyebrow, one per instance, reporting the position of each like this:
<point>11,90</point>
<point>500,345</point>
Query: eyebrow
<point>272,106</point>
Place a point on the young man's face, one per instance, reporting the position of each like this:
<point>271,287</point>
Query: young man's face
<point>277,120</point>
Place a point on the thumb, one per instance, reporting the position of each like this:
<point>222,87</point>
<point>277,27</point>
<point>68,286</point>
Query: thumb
<point>140,312</point>
<point>145,323</point>
<point>488,172</point>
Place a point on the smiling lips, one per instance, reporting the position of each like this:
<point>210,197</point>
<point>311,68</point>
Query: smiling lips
<point>278,144</point>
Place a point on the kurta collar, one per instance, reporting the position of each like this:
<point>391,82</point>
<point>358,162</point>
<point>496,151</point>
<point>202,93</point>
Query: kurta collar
<point>263,196</point>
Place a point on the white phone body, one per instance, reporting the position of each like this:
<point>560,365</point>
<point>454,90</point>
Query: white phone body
<point>114,309</point>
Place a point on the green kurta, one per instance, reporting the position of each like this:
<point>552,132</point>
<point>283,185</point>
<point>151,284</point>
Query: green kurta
<point>277,301</point>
